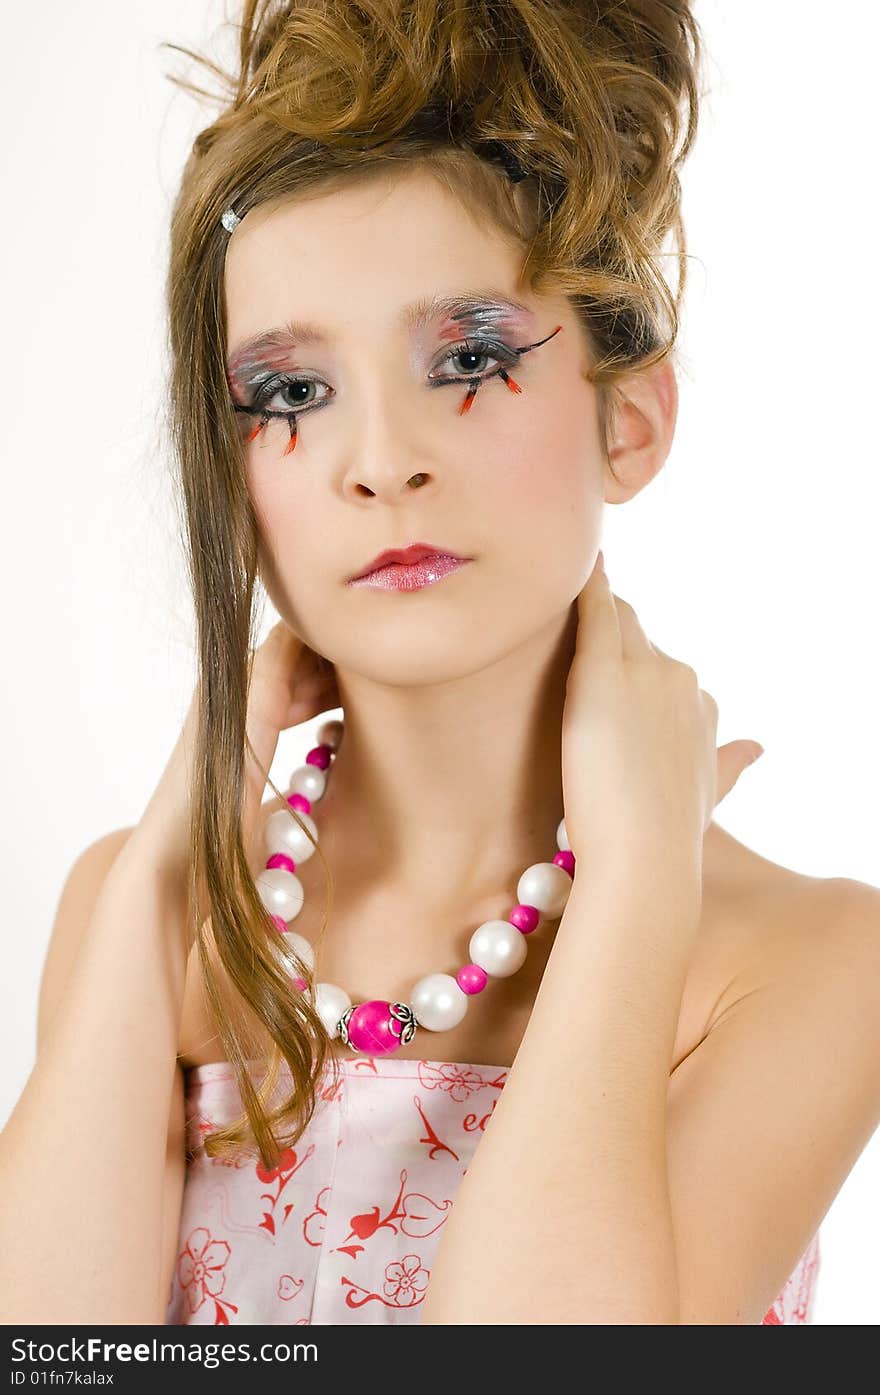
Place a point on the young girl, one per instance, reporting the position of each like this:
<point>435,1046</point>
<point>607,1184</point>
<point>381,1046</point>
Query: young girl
<point>471,1022</point>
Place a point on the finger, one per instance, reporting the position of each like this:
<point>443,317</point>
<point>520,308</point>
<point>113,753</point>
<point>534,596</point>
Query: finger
<point>636,644</point>
<point>711,706</point>
<point>312,699</point>
<point>732,761</point>
<point>598,626</point>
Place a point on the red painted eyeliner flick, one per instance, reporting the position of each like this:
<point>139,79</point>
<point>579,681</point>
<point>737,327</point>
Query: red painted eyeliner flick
<point>514,387</point>
<point>255,433</point>
<point>291,444</point>
<point>466,404</point>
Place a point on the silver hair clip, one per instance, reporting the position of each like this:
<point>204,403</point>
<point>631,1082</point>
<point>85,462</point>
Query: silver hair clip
<point>230,219</point>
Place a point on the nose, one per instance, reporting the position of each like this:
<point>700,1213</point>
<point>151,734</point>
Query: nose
<point>389,455</point>
<point>392,489</point>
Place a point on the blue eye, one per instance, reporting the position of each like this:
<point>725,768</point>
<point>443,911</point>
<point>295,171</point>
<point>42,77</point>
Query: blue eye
<point>475,349</point>
<point>298,390</point>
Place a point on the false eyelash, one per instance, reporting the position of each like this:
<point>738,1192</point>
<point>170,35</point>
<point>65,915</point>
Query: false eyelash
<point>490,348</point>
<point>502,352</point>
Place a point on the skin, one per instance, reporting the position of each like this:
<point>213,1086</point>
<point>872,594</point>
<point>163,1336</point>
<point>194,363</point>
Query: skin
<point>449,781</point>
<point>481,655</point>
<point>469,707</point>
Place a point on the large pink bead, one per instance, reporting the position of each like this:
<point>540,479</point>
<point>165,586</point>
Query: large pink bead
<point>471,978</point>
<point>565,859</point>
<point>300,802</point>
<point>319,756</point>
<point>525,918</point>
<point>372,1029</point>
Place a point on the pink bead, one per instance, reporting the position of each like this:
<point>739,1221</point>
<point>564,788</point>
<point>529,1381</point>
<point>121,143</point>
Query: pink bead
<point>300,983</point>
<point>565,859</point>
<point>370,1028</point>
<point>525,918</point>
<point>299,801</point>
<point>281,860</point>
<point>280,923</point>
<point>471,978</point>
<point>320,756</point>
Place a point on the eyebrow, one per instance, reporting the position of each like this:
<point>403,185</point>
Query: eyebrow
<point>468,308</point>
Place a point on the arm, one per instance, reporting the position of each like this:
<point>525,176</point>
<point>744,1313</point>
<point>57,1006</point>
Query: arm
<point>565,1214</point>
<point>91,1159</point>
<point>764,1120</point>
<point>603,1191</point>
<point>83,1154</point>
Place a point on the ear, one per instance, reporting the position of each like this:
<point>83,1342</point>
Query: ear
<point>641,425</point>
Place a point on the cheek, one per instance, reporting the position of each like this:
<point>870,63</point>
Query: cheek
<point>542,475</point>
<point>289,535</point>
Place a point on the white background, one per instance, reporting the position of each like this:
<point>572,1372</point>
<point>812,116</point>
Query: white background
<point>753,555</point>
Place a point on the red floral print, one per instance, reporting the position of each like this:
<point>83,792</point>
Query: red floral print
<point>368,1189</point>
<point>200,1269</point>
<point>404,1282</point>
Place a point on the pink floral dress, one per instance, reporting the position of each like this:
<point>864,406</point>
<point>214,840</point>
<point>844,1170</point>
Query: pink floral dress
<point>345,1229</point>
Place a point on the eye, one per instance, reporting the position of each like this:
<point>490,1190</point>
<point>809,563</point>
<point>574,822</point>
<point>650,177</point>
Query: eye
<point>472,357</point>
<point>295,394</point>
<point>475,359</point>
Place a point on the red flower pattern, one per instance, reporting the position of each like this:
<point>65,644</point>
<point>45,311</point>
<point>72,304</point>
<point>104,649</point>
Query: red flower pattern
<point>405,1281</point>
<point>200,1267</point>
<point>377,1163</point>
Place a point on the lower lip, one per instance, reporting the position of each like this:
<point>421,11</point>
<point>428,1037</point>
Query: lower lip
<point>397,577</point>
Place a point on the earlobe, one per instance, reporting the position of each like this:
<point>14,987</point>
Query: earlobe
<point>640,430</point>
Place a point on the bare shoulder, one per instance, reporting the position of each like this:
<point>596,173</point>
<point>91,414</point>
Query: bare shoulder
<point>75,905</point>
<point>769,1111</point>
<point>763,920</point>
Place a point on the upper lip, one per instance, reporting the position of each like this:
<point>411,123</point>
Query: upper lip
<point>406,556</point>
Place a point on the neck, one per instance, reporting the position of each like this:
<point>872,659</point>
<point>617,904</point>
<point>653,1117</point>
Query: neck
<point>457,784</point>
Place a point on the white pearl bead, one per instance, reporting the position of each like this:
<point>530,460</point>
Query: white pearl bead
<point>438,1003</point>
<point>282,834</point>
<point>562,842</point>
<point>309,780</point>
<point>281,892</point>
<point>330,1003</point>
<point>546,886</point>
<point>330,734</point>
<point>301,947</point>
<point>498,947</point>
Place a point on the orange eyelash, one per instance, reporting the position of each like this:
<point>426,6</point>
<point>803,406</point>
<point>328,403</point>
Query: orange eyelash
<point>466,404</point>
<point>291,445</point>
<point>473,388</point>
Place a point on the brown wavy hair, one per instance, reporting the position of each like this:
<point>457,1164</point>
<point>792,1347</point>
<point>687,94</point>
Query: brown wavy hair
<point>598,102</point>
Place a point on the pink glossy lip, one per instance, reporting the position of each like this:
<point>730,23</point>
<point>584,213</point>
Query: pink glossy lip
<point>398,576</point>
<point>414,552</point>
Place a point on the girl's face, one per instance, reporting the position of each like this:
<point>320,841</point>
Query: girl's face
<point>351,287</point>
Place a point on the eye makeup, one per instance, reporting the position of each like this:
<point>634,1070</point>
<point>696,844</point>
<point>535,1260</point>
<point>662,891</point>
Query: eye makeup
<point>263,365</point>
<point>484,348</point>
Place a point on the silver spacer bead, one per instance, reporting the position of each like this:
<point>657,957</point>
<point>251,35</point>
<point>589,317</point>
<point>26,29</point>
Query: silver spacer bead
<point>230,219</point>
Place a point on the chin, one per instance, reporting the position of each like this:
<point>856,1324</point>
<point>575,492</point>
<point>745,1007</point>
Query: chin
<point>418,657</point>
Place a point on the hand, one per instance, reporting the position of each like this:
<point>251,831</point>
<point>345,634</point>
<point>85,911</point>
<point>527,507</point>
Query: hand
<point>638,736</point>
<point>290,684</point>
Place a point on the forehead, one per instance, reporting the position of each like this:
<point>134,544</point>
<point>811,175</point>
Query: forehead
<point>378,254</point>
